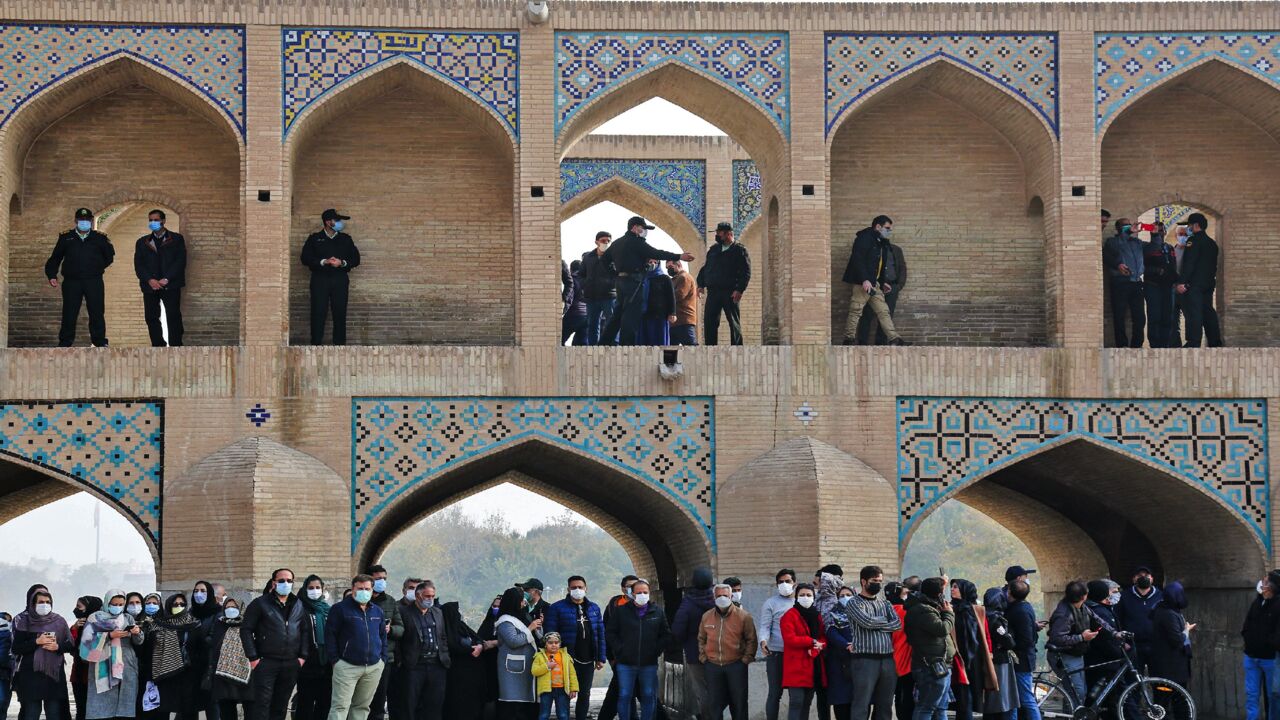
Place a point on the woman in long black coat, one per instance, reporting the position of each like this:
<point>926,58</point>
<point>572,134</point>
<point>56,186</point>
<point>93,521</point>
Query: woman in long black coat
<point>1171,637</point>
<point>462,699</point>
<point>179,631</point>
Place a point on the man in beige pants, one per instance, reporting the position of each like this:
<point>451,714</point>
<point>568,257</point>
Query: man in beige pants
<point>865,272</point>
<point>355,642</point>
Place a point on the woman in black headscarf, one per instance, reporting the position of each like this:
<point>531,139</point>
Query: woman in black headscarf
<point>971,649</point>
<point>1171,637</point>
<point>40,638</point>
<point>178,641</point>
<point>86,605</point>
<point>204,608</point>
<point>467,668</point>
<point>489,636</point>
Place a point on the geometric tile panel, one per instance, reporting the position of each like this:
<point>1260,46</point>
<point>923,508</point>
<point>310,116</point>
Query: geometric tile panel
<point>1169,214</point>
<point>1126,65</point>
<point>756,65</point>
<point>484,65</point>
<point>1025,65</point>
<point>682,184</point>
<point>208,58</point>
<point>667,442</point>
<point>747,192</point>
<point>1220,445</point>
<point>115,447</point>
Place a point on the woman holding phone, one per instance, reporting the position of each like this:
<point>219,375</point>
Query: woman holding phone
<point>40,639</point>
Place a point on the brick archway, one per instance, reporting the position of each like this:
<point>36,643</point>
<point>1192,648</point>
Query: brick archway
<point>640,201</point>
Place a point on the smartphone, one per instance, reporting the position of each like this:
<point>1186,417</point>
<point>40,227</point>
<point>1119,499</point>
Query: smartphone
<point>942,572</point>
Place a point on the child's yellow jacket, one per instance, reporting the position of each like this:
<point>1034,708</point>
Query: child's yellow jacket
<point>543,673</point>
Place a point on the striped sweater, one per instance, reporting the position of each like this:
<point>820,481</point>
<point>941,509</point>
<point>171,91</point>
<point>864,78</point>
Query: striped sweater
<point>873,622</point>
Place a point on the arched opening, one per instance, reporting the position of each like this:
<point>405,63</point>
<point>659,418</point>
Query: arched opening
<point>102,122</point>
<point>1088,511</point>
<point>1228,156</point>
<point>726,110</point>
<point>912,150</point>
<point>128,222</point>
<point>437,244</point>
<point>659,535</point>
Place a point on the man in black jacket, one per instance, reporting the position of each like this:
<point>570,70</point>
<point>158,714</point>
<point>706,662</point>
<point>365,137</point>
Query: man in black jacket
<point>597,288</point>
<point>1261,633</point>
<point>638,634</point>
<point>423,653</point>
<point>865,272</point>
<point>330,255</point>
<point>273,641</point>
<point>895,276</point>
<point>160,262</point>
<point>722,280</point>
<point>1196,282</point>
<point>83,255</point>
<point>629,257</point>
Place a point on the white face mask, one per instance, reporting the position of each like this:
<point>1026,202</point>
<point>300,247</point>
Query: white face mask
<point>43,608</point>
<point>737,596</point>
<point>1260,587</point>
<point>315,593</point>
<point>231,613</point>
<point>410,595</point>
<point>577,593</point>
<point>642,599</point>
<point>1114,598</point>
<point>723,602</point>
<point>805,601</point>
<point>784,589</point>
<point>135,609</point>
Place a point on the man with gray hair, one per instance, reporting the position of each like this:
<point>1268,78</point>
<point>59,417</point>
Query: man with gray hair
<point>726,646</point>
<point>423,654</point>
<point>219,594</point>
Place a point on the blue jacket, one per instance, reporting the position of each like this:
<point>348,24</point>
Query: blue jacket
<point>562,617</point>
<point>1134,614</point>
<point>1022,623</point>
<point>839,633</point>
<point>6,663</point>
<point>354,635</point>
<point>688,620</point>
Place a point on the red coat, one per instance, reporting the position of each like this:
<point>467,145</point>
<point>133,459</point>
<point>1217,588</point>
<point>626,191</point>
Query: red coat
<point>901,650</point>
<point>798,654</point>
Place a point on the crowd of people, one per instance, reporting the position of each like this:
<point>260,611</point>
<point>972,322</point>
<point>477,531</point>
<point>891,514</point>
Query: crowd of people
<point>856,650</point>
<point>1156,288</point>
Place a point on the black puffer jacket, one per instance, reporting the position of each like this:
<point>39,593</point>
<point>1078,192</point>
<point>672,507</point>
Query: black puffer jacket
<point>635,639</point>
<point>597,277</point>
<point>273,631</point>
<point>866,259</point>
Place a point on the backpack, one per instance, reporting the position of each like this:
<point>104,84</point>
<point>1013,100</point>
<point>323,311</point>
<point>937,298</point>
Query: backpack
<point>1001,634</point>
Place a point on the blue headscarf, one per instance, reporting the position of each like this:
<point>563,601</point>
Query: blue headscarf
<point>655,271</point>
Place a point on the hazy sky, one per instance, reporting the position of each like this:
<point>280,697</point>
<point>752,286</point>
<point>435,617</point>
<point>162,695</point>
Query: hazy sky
<point>75,536</point>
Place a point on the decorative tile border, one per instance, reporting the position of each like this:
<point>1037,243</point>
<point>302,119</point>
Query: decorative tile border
<point>397,443</point>
<point>484,65</point>
<point>682,184</point>
<point>755,65</point>
<point>115,447</point>
<point>1220,445</point>
<point>748,194</point>
<point>207,58</point>
<point>1125,66</point>
<point>1170,214</point>
<point>1025,65</point>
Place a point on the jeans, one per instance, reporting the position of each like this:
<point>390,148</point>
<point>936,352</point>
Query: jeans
<point>1159,315</point>
<point>353,689</point>
<point>1029,708</point>
<point>684,334</point>
<point>639,681</point>
<point>1127,301</point>
<point>6,693</point>
<point>931,694</point>
<point>1261,676</point>
<point>1070,669</point>
<point>586,672</point>
<point>874,680</point>
<point>727,687</point>
<point>557,697</point>
<point>773,669</point>
<point>799,700</point>
<point>575,326</point>
<point>609,707</point>
<point>599,312</point>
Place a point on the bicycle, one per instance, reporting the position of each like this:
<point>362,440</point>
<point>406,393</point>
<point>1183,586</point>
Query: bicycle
<point>1143,698</point>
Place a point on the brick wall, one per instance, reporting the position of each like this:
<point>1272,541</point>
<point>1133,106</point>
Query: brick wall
<point>430,202</point>
<point>130,145</point>
<point>957,192</point>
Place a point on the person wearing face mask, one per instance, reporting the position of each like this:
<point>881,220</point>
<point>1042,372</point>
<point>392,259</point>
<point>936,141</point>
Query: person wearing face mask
<point>1026,635</point>
<point>684,329</point>
<point>598,289</point>
<point>488,689</point>
<point>904,690</point>
<point>1158,260</point>
<point>1103,596</point>
<point>538,607</point>
<point>1170,653</point>
<point>108,642</point>
<point>581,626</point>
<point>930,626</point>
<point>386,700</point>
<point>609,707</point>
<point>1123,258</point>
<point>83,255</point>
<point>517,693</point>
<point>6,663</point>
<point>804,641</point>
<point>1261,633</point>
<point>629,256</point>
<point>895,276</point>
<point>354,643</point>
<point>40,638</point>
<point>726,646</point>
<point>160,262</point>
<point>152,604</point>
<point>315,679</point>
<point>972,650</point>
<point>274,642</point>
<point>1181,233</point>
<point>1134,612</point>
<point>178,641</point>
<point>463,695</point>
<point>769,633</point>
<point>424,658</point>
<point>658,307</point>
<point>722,281</point>
<point>1197,279</point>
<point>228,668</point>
<point>685,629</point>
<point>219,594</point>
<point>735,585</point>
<point>330,254</point>
<point>638,634</point>
<point>865,272</point>
<point>204,608</point>
<point>839,654</point>
<point>873,621</point>
<point>86,605</point>
<point>574,322</point>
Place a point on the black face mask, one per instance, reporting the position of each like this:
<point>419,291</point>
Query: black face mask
<point>80,613</point>
<point>1143,582</point>
<point>873,588</point>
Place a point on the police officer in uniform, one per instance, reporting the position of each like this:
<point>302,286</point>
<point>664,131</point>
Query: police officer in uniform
<point>160,262</point>
<point>330,254</point>
<point>723,279</point>
<point>83,255</point>
<point>630,256</point>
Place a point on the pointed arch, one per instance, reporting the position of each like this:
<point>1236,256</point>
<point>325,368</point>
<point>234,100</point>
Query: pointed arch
<point>641,201</point>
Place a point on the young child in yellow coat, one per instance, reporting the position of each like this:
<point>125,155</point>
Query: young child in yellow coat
<point>557,680</point>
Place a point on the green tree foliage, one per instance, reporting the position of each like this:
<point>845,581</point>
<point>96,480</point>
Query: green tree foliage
<point>968,545</point>
<point>471,561</point>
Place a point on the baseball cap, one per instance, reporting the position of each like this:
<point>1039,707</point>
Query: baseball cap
<point>724,226</point>
<point>1195,219</point>
<point>637,220</point>
<point>532,584</point>
<point>332,214</point>
<point>84,214</point>
<point>1016,571</point>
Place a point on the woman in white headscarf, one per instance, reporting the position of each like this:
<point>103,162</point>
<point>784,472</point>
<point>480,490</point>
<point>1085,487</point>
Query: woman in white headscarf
<point>107,643</point>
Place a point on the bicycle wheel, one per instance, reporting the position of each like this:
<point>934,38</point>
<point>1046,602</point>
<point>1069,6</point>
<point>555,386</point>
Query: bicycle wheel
<point>1052,699</point>
<point>1156,699</point>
